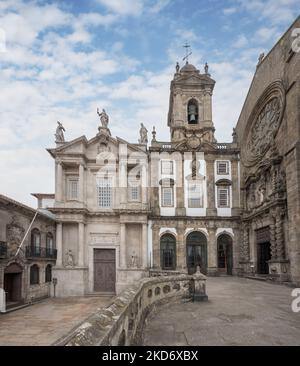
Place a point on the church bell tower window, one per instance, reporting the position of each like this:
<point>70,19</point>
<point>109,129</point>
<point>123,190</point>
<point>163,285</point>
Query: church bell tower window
<point>192,111</point>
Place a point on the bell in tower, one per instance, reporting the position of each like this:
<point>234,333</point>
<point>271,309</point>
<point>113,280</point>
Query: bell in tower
<point>192,112</point>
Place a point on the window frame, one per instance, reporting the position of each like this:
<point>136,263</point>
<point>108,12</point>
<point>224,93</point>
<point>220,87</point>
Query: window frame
<point>169,171</point>
<point>171,188</point>
<point>224,188</point>
<point>71,180</point>
<point>35,233</point>
<point>200,185</point>
<point>34,276</point>
<point>108,189</point>
<point>48,274</point>
<point>226,162</point>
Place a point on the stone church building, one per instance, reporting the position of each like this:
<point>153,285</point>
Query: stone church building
<point>125,210</point>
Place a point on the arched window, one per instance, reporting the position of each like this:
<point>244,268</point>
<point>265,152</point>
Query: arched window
<point>49,244</point>
<point>36,242</point>
<point>168,252</point>
<point>192,111</point>
<point>48,273</point>
<point>34,274</point>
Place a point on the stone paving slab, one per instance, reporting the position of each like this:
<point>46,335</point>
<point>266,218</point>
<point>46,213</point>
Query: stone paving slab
<point>44,323</point>
<point>239,312</point>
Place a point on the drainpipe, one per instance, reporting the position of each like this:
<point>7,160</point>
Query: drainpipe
<point>25,236</point>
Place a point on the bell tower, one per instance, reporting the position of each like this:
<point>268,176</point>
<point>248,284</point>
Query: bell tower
<point>190,107</point>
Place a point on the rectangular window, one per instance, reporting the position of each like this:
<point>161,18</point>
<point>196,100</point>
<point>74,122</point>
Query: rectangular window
<point>134,193</point>
<point>223,196</point>
<point>167,196</point>
<point>195,195</point>
<point>167,167</point>
<point>222,167</point>
<point>104,192</point>
<point>73,188</point>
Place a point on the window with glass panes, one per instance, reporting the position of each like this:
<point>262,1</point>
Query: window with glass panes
<point>223,196</point>
<point>195,194</point>
<point>167,196</point>
<point>104,192</point>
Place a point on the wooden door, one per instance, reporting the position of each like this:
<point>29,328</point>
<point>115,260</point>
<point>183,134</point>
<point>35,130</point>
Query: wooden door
<point>104,270</point>
<point>263,256</point>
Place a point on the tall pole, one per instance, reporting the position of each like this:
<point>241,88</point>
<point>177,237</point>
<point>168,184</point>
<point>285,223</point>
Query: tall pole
<point>25,236</point>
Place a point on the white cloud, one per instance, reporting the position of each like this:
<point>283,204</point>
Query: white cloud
<point>123,7</point>
<point>265,34</point>
<point>241,42</point>
<point>229,11</point>
<point>158,6</point>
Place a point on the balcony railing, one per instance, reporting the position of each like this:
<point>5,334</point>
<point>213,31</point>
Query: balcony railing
<point>42,253</point>
<point>3,249</point>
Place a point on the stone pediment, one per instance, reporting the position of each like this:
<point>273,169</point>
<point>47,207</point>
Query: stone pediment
<point>195,79</point>
<point>75,146</point>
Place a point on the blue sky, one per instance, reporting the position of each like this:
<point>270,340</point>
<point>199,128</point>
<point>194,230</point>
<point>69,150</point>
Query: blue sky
<point>63,59</point>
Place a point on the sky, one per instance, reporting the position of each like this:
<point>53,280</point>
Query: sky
<point>61,60</point>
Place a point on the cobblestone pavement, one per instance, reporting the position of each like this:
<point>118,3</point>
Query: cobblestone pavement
<point>239,312</point>
<point>45,322</point>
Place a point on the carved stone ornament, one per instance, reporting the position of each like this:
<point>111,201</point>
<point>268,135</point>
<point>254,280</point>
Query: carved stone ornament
<point>264,122</point>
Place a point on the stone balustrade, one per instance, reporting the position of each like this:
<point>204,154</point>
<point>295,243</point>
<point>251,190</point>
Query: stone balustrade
<point>122,322</point>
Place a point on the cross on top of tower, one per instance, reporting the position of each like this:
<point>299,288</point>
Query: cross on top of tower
<point>188,52</point>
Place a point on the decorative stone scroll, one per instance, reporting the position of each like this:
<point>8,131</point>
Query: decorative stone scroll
<point>264,122</point>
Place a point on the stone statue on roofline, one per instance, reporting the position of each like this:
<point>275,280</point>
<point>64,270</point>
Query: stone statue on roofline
<point>143,135</point>
<point>59,134</point>
<point>103,117</point>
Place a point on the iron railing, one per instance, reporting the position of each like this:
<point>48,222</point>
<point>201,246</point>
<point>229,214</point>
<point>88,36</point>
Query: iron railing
<point>42,253</point>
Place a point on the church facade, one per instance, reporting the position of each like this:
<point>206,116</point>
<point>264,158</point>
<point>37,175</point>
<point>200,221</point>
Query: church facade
<point>126,209</point>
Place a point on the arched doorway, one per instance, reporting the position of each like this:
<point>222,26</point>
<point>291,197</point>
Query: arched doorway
<point>225,254</point>
<point>13,283</point>
<point>196,252</point>
<point>168,252</point>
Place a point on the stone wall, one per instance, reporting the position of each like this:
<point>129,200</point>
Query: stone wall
<point>121,323</point>
<point>270,149</point>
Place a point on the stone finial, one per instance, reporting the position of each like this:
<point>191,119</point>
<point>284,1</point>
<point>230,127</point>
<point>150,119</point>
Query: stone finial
<point>59,133</point>
<point>234,137</point>
<point>153,134</point>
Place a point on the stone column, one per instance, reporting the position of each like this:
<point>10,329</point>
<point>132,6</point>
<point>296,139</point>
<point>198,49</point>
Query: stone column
<point>180,250</point>
<point>123,263</point>
<point>279,235</point>
<point>145,246</point>
<point>180,206</point>
<point>155,246</point>
<point>212,266</point>
<point>59,182</point>
<point>59,239</point>
<point>81,183</point>
<point>123,182</point>
<point>273,238</point>
<point>81,240</point>
<point>154,183</point>
<point>210,186</point>
<point>235,187</point>
<point>246,248</point>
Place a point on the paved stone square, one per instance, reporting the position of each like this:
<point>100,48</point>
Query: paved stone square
<point>44,323</point>
<point>239,312</point>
